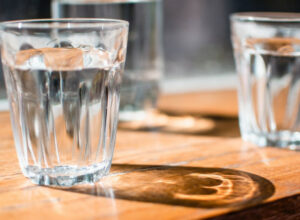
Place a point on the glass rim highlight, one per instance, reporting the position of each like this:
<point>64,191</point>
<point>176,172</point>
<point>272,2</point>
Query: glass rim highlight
<point>266,17</point>
<point>65,23</point>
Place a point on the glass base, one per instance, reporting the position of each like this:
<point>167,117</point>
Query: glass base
<point>66,176</point>
<point>128,115</point>
<point>280,139</point>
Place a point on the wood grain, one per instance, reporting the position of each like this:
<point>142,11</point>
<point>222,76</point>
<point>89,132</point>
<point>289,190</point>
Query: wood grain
<point>162,172</point>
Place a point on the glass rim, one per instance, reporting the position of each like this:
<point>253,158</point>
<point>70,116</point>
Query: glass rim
<point>266,17</point>
<point>65,23</point>
<point>102,1</point>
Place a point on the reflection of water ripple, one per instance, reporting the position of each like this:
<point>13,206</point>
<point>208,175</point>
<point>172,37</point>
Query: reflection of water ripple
<point>185,186</point>
<point>231,189</point>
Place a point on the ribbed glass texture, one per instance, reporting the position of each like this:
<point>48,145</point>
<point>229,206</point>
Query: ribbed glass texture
<point>144,65</point>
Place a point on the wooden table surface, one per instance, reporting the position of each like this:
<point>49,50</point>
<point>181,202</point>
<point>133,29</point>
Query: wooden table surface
<point>189,164</point>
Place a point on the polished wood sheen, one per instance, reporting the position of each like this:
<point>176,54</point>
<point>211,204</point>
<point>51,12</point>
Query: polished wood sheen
<point>189,164</point>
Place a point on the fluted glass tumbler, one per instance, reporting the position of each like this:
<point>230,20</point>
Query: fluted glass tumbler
<point>62,79</point>
<point>144,65</point>
<point>267,55</point>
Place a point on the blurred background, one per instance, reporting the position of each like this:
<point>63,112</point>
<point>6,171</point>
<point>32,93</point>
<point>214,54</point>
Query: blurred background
<point>197,49</point>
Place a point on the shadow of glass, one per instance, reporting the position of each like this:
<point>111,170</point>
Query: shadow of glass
<point>185,124</point>
<point>181,186</point>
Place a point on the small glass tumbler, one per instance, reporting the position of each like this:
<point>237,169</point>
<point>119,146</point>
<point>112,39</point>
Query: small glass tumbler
<point>267,56</point>
<point>63,81</point>
<point>140,87</point>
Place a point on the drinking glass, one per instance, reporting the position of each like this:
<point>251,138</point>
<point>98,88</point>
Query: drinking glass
<point>62,78</point>
<point>267,56</point>
<point>144,64</point>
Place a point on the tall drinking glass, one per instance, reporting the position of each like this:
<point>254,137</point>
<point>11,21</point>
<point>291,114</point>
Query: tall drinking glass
<point>62,79</point>
<point>267,55</point>
<point>144,64</point>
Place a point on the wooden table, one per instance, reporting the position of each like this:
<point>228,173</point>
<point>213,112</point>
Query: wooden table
<point>172,167</point>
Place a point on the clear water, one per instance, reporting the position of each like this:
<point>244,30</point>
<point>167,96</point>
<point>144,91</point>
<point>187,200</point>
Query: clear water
<point>270,94</point>
<point>64,105</point>
<point>143,71</point>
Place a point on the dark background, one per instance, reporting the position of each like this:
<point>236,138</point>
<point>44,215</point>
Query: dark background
<point>24,9</point>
